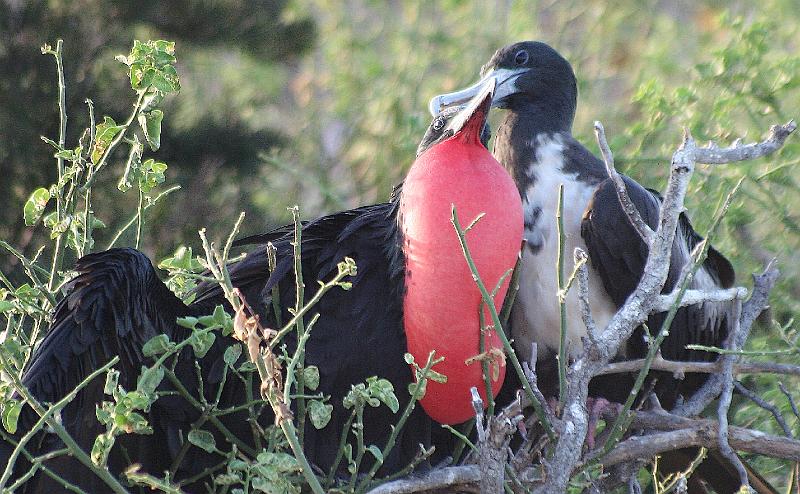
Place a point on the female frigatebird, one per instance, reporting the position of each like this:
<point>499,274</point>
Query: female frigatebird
<point>408,263</point>
<point>534,142</point>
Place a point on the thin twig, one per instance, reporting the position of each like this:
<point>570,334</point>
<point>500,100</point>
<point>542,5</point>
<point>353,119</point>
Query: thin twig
<point>642,228</point>
<point>537,405</point>
<point>772,409</point>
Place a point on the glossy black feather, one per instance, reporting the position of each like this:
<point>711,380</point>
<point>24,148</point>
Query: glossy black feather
<point>114,305</point>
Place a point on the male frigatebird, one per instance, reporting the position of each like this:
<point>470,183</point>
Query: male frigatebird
<point>534,142</point>
<point>117,303</point>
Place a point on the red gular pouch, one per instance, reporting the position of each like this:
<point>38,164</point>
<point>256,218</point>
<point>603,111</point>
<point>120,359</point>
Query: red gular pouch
<point>441,301</point>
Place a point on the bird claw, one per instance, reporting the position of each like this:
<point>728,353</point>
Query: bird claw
<point>596,407</point>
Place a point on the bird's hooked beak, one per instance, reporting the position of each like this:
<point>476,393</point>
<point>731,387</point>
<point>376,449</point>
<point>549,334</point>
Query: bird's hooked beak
<point>502,78</point>
<point>470,120</point>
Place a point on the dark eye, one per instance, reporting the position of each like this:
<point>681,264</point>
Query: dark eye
<point>521,58</point>
<point>438,124</point>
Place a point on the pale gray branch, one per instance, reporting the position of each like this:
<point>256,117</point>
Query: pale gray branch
<point>583,292</point>
<point>644,230</point>
<point>680,367</point>
<point>723,439</point>
<point>713,155</point>
<point>691,297</point>
<point>758,301</point>
<point>680,432</point>
<point>450,477</point>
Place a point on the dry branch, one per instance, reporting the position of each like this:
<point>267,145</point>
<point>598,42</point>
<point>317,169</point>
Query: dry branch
<point>455,478</point>
<point>679,432</point>
<point>646,298</point>
<point>630,209</point>
<point>679,367</point>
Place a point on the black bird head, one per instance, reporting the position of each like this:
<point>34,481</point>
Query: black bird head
<point>531,77</point>
<point>439,129</point>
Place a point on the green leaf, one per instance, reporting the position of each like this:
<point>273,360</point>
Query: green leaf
<point>152,100</point>
<point>149,380</point>
<point>311,377</point>
<point>67,154</point>
<point>102,446</point>
<point>201,343</point>
<point>10,415</point>
<point>112,379</point>
<point>232,354</point>
<point>421,393</point>
<point>6,305</point>
<point>152,174</point>
<point>281,462</point>
<point>104,134</point>
<point>384,391</point>
<point>35,205</point>
<point>320,413</point>
<point>151,126</point>
<point>376,452</point>
<point>27,294</point>
<point>203,440</point>
<point>181,259</point>
<point>436,376</point>
<point>188,322</point>
<point>157,345</point>
<point>59,228</point>
<point>103,412</point>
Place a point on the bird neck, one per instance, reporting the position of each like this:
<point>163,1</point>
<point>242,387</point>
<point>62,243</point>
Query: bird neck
<point>521,134</point>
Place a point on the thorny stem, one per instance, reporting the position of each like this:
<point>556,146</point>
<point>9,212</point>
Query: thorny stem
<point>340,452</point>
<point>487,299</point>
<point>487,380</point>
<point>299,322</point>
<point>562,301</point>
<point>418,386</point>
<point>139,219</point>
<point>37,462</point>
<point>58,254</point>
<point>217,264</point>
<point>136,216</point>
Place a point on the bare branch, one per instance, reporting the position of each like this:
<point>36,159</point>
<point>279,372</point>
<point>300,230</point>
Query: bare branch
<point>766,406</point>
<point>680,432</point>
<point>583,292</point>
<point>680,367</point>
<point>691,297</point>
<point>493,441</point>
<point>598,351</point>
<point>463,477</point>
<point>789,399</point>
<point>644,230</point>
<point>713,155</point>
<point>725,403</point>
<point>759,300</point>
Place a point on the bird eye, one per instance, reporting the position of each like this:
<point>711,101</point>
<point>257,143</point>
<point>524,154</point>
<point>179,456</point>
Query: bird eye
<point>521,58</point>
<point>438,123</point>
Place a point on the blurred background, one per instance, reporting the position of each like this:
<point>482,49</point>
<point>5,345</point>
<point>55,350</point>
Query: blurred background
<point>322,104</point>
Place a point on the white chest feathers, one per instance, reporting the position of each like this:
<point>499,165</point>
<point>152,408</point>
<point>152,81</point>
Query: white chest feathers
<point>536,314</point>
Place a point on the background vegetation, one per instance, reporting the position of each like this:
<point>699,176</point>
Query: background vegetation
<point>322,103</point>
